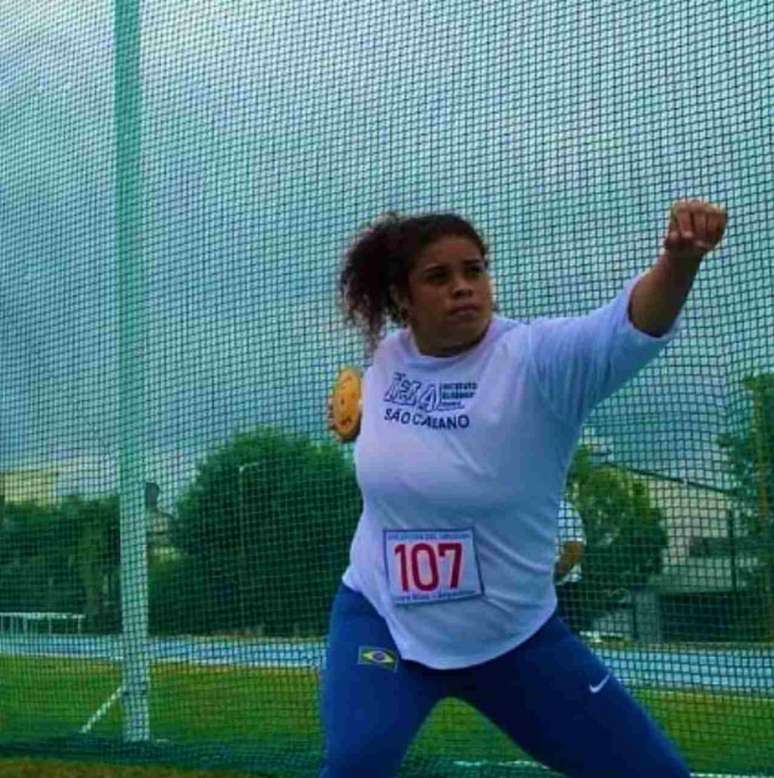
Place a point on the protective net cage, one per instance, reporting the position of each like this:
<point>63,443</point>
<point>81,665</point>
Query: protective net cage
<point>178,183</point>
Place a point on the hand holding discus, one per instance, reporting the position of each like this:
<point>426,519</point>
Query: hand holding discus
<point>345,405</point>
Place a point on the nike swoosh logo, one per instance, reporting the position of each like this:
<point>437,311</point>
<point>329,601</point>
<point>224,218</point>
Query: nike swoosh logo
<point>594,689</point>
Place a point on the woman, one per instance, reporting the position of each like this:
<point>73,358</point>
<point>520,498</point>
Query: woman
<point>469,424</point>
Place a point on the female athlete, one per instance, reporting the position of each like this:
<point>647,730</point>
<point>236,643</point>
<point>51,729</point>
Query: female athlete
<point>469,424</point>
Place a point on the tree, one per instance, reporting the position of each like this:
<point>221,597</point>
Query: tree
<point>266,525</point>
<point>57,558</point>
<point>99,555</point>
<point>32,558</point>
<point>750,455</point>
<point>625,534</point>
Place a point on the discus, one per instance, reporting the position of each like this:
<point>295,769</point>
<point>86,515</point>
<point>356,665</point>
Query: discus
<point>347,403</point>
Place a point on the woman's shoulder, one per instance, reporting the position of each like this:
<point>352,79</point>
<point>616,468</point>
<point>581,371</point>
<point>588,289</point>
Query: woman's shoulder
<point>505,324</point>
<point>390,343</point>
<point>507,331</point>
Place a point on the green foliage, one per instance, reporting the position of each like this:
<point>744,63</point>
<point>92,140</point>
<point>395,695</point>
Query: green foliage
<point>625,534</point>
<point>264,532</point>
<point>61,558</point>
<point>183,598</point>
<point>750,453</point>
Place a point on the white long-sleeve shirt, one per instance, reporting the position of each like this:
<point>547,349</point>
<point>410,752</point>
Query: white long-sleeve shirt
<point>462,462</point>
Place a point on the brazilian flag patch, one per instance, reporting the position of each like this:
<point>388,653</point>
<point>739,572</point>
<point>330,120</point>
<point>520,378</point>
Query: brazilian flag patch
<point>381,657</point>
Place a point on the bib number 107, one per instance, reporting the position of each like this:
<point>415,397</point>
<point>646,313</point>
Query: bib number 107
<point>419,568</point>
<point>428,566</point>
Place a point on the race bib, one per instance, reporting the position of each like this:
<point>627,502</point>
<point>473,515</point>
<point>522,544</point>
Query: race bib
<point>431,565</point>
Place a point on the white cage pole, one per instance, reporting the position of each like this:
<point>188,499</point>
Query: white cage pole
<point>131,381</point>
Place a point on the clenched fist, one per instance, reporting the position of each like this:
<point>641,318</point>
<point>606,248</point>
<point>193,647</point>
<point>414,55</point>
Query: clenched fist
<point>695,227</point>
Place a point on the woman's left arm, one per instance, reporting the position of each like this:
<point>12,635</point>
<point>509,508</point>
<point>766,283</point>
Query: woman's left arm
<point>695,228</point>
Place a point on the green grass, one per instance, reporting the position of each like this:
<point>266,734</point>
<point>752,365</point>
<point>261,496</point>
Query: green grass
<point>53,768</point>
<point>276,711</point>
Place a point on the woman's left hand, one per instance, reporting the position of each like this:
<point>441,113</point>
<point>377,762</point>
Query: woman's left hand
<point>695,228</point>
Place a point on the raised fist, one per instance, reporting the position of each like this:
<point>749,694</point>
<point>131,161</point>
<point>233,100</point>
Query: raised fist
<point>695,227</point>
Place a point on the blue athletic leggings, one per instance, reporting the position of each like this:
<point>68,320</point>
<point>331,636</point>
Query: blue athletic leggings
<point>551,695</point>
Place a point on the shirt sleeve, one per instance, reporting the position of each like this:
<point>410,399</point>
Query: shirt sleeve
<point>579,361</point>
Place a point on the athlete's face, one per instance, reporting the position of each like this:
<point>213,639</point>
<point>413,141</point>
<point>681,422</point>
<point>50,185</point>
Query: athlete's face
<point>449,300</point>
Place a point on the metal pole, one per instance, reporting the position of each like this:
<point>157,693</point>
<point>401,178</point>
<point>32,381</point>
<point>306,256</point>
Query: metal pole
<point>131,380</point>
<point>760,431</point>
<point>732,551</point>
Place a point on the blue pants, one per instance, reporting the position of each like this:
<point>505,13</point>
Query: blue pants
<point>551,695</point>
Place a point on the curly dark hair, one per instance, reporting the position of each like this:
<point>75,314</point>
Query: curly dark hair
<point>382,256</point>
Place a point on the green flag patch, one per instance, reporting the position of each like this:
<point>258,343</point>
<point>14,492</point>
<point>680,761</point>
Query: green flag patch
<point>381,657</point>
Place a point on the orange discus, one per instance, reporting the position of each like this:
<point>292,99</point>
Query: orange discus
<point>347,403</point>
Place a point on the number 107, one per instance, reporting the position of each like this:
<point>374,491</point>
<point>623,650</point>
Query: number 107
<point>419,565</point>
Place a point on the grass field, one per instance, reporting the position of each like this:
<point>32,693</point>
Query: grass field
<point>50,768</point>
<point>274,712</point>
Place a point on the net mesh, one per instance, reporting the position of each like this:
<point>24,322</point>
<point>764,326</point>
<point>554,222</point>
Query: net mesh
<point>177,186</point>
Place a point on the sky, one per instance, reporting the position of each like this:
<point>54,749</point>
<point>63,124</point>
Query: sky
<point>271,133</point>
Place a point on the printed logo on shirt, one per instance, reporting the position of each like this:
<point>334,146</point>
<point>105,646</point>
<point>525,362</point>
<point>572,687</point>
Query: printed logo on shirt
<point>415,402</point>
<point>381,657</point>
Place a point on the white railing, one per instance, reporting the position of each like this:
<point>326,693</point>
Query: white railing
<point>24,619</point>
